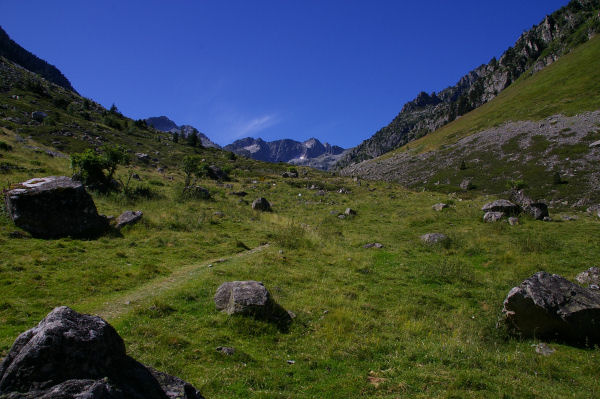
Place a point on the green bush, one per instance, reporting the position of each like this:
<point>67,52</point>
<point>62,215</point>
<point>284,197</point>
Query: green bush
<point>98,169</point>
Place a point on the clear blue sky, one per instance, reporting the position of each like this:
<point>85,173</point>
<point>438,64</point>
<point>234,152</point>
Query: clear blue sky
<point>337,70</point>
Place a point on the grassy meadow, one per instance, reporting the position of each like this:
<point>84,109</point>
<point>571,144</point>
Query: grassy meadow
<point>404,321</point>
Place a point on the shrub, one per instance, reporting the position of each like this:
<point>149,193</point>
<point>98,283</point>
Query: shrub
<point>5,147</point>
<point>98,169</point>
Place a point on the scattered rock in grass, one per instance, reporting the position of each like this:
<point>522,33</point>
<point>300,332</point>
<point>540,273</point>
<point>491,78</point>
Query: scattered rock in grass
<point>502,205</point>
<point>290,174</point>
<point>142,156</point>
<point>491,217</point>
<point>343,191</point>
<point>219,214</point>
<point>594,210</point>
<point>536,209</point>
<point>54,206</point>
<point>250,298</point>
<point>433,238</point>
<point>467,184</point>
<point>595,144</point>
<point>548,306</point>
<point>38,116</point>
<point>590,277</point>
<point>569,218</point>
<point>439,207</point>
<point>135,176</point>
<point>226,350</point>
<point>543,349</point>
<point>547,219</point>
<point>341,216</point>
<point>127,218</point>
<point>321,193</point>
<point>291,362</point>
<point>239,193</point>
<point>349,212</point>
<point>71,355</point>
<point>196,192</point>
<point>216,173</point>
<point>373,245</point>
<point>513,221</point>
<point>261,204</point>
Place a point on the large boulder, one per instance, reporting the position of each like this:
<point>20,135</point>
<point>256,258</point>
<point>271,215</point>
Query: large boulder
<point>249,298</point>
<point>54,206</point>
<point>502,205</point>
<point>536,209</point>
<point>261,204</point>
<point>548,306</point>
<point>71,355</point>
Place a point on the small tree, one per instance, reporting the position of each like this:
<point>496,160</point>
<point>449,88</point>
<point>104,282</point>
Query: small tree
<point>175,137</point>
<point>192,139</point>
<point>191,167</point>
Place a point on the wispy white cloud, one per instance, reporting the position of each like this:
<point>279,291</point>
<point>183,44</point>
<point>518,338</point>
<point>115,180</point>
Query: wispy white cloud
<point>254,125</point>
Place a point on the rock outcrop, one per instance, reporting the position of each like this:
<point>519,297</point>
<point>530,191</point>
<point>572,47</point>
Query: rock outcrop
<point>54,206</point>
<point>590,278</point>
<point>434,238</point>
<point>70,355</point>
<point>548,306</point>
<point>536,209</point>
<point>503,206</point>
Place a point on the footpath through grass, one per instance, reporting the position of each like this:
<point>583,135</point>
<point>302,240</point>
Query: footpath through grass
<point>406,320</point>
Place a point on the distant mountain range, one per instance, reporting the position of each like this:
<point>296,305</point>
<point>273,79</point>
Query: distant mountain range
<point>165,124</point>
<point>308,153</point>
<point>17,54</point>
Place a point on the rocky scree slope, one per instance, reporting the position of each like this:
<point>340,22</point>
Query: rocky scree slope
<point>543,44</point>
<point>308,153</point>
<point>165,124</point>
<point>17,54</point>
<point>535,153</point>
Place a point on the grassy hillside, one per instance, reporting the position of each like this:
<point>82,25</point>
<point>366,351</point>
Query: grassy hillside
<point>569,86</point>
<point>403,321</point>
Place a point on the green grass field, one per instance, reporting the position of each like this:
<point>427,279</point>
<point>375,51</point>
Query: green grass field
<point>405,321</point>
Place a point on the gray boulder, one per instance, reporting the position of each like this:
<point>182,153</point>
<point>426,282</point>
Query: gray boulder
<point>439,207</point>
<point>513,221</point>
<point>377,245</point>
<point>467,184</point>
<point>536,209</point>
<point>127,218</point>
<point>349,212</point>
<point>69,355</point>
<point>491,217</point>
<point>38,116</point>
<point>54,206</point>
<point>548,306</point>
<point>433,238</point>
<point>595,144</point>
<point>261,204</point>
<point>216,173</point>
<point>502,205</point>
<point>590,277</point>
<point>250,298</point>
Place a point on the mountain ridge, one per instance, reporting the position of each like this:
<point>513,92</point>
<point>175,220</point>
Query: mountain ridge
<point>164,124</point>
<point>12,51</point>
<point>536,48</point>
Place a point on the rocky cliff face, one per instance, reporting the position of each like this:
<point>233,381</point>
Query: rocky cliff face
<point>535,49</point>
<point>309,153</point>
<point>164,124</point>
<point>17,54</point>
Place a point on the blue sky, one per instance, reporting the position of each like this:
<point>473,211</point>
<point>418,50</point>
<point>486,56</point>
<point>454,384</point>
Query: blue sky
<point>337,70</point>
